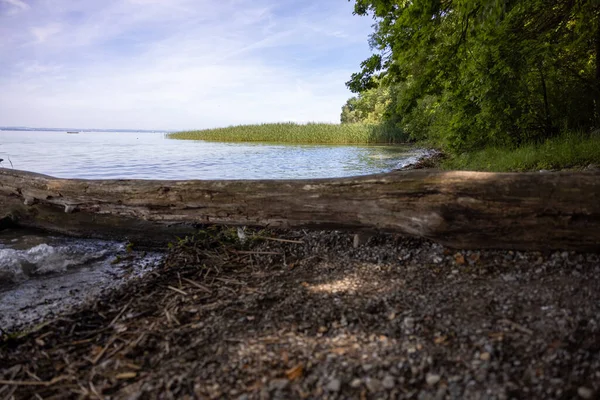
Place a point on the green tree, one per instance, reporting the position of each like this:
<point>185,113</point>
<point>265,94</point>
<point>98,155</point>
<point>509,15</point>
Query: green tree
<point>470,73</point>
<point>370,106</point>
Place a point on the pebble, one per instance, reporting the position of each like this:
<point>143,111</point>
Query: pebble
<point>355,383</point>
<point>388,382</point>
<point>432,379</point>
<point>585,393</point>
<point>409,322</point>
<point>278,384</point>
<point>441,393</point>
<point>334,385</point>
<point>374,385</point>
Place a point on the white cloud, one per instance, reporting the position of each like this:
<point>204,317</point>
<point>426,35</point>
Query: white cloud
<point>18,5</point>
<point>43,33</point>
<point>180,64</point>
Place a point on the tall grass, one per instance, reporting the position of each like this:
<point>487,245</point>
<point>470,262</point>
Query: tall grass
<point>570,150</point>
<point>312,133</point>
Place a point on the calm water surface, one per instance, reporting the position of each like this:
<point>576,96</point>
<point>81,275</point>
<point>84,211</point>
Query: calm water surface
<point>96,155</point>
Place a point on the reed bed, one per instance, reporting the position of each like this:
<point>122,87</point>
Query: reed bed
<point>311,133</point>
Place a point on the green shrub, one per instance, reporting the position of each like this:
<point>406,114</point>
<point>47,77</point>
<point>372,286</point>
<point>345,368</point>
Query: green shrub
<point>569,150</point>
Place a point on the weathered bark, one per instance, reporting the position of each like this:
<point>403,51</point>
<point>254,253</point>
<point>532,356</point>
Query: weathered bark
<point>458,209</point>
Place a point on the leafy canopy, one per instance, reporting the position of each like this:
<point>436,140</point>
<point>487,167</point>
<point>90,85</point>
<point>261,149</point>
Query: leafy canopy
<point>473,73</point>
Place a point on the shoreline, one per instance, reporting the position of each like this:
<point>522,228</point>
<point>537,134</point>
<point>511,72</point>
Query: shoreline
<point>306,313</point>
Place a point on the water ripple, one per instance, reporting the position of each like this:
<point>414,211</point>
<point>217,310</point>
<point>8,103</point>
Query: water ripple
<point>127,155</point>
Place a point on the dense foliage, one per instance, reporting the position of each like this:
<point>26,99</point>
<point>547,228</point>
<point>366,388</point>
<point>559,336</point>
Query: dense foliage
<point>370,106</point>
<point>474,73</point>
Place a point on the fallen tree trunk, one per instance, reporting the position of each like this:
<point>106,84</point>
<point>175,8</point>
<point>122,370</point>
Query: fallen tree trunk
<point>457,209</point>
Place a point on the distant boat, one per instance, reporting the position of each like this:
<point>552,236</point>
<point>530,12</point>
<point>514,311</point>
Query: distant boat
<point>72,132</point>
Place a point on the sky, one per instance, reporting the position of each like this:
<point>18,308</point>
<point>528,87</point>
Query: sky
<point>176,64</point>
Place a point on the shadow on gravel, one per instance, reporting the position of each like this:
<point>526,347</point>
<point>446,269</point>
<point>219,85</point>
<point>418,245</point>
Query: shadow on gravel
<point>307,315</point>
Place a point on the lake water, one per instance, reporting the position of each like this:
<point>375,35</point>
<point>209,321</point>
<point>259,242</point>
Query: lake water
<point>43,275</point>
<point>107,155</point>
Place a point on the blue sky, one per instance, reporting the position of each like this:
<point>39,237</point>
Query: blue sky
<point>176,64</point>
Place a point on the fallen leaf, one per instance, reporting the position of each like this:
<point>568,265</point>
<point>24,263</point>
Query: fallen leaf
<point>295,372</point>
<point>555,344</point>
<point>339,351</point>
<point>440,340</point>
<point>459,258</point>
<point>96,350</point>
<point>285,357</point>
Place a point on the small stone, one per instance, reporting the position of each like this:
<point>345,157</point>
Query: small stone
<point>360,239</point>
<point>540,260</point>
<point>585,393</point>
<point>437,259</point>
<point>355,383</point>
<point>432,379</point>
<point>388,382</point>
<point>409,322</point>
<point>485,356</point>
<point>441,393</point>
<point>278,384</point>
<point>374,385</point>
<point>243,397</point>
<point>334,385</point>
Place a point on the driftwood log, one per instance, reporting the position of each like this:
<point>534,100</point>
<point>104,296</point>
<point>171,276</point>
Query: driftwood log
<point>457,209</point>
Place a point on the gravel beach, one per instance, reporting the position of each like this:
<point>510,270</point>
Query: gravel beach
<point>327,315</point>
